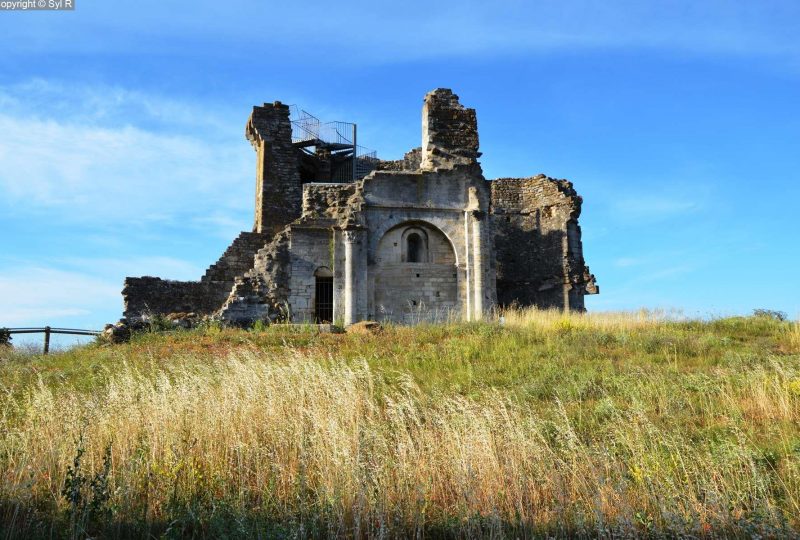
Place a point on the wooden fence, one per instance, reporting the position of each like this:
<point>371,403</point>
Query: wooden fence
<point>47,331</point>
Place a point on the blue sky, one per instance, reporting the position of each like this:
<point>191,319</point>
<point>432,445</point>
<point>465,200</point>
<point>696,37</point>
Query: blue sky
<point>122,148</point>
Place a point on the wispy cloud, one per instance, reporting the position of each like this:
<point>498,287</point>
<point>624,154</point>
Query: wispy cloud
<point>98,156</point>
<point>78,291</point>
<point>112,172</point>
<point>35,295</point>
<point>654,207</point>
<point>384,33</point>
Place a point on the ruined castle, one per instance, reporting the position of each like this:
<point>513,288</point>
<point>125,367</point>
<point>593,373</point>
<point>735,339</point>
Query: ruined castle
<point>341,236</point>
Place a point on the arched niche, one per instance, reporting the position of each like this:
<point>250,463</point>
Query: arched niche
<point>415,274</point>
<point>414,245</point>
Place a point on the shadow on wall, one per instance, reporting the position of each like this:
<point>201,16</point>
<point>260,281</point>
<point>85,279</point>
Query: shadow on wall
<point>531,269</point>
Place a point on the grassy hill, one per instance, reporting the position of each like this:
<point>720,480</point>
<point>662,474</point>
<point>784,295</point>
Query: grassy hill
<point>546,424</point>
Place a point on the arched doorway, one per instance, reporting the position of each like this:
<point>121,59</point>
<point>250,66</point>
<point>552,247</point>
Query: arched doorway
<point>323,295</point>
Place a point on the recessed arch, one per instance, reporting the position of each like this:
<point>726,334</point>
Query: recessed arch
<point>415,250</point>
<point>415,274</point>
<point>446,227</point>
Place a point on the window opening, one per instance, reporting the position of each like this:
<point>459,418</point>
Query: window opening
<point>414,247</point>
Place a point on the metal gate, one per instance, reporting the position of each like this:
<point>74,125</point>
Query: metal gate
<point>323,300</point>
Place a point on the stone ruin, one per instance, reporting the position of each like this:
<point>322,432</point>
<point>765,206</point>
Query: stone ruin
<point>424,238</point>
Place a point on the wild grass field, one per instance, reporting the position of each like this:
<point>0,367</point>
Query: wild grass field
<point>599,425</point>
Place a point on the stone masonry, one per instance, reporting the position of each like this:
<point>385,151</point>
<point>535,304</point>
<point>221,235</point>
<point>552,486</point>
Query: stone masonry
<point>423,238</point>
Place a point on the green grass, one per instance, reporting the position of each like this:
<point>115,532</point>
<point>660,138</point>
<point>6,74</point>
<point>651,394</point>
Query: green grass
<point>600,425</point>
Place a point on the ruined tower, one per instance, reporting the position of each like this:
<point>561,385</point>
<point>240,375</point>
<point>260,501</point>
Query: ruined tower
<point>278,189</point>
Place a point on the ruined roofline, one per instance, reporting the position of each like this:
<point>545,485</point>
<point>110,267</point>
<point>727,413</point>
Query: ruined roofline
<point>537,183</point>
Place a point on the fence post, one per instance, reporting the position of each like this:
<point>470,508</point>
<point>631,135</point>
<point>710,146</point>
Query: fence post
<point>46,339</point>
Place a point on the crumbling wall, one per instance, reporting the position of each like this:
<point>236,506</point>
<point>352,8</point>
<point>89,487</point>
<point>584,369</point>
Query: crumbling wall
<point>449,132</point>
<point>410,162</point>
<point>326,201</point>
<point>237,259</point>
<point>278,185</point>
<point>146,296</point>
<point>539,255</point>
<point>263,292</point>
<point>412,159</point>
<point>155,296</point>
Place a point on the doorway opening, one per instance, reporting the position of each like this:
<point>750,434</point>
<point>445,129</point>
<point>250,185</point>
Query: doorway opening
<point>323,296</point>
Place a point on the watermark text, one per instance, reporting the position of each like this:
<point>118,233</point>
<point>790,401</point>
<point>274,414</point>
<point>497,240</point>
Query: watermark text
<point>37,5</point>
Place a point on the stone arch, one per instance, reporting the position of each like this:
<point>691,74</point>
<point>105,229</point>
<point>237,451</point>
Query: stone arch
<point>448,227</point>
<point>407,290</point>
<point>323,271</point>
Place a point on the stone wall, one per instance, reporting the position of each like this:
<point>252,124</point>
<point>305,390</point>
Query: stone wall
<point>539,255</point>
<point>310,249</point>
<point>410,162</point>
<point>278,185</point>
<point>237,259</point>
<point>326,201</point>
<point>445,199</point>
<point>263,292</point>
<point>449,132</point>
<point>147,296</point>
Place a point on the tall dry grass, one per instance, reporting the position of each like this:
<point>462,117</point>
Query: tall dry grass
<point>293,444</point>
<point>554,319</point>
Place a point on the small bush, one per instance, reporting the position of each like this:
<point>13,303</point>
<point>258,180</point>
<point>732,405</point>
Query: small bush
<point>259,326</point>
<point>87,494</point>
<point>5,337</point>
<point>770,314</point>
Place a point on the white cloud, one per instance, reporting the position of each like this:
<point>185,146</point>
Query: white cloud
<point>82,292</point>
<point>653,207</point>
<point>35,296</point>
<point>110,171</point>
<point>118,156</point>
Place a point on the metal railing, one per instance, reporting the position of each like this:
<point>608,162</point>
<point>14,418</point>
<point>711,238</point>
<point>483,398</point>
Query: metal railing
<point>365,163</point>
<point>47,331</point>
<point>338,136</point>
<point>305,126</point>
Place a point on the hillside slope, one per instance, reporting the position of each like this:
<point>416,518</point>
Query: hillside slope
<point>546,424</point>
